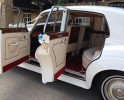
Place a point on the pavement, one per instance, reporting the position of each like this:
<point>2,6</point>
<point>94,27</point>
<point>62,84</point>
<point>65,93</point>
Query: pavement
<point>21,84</point>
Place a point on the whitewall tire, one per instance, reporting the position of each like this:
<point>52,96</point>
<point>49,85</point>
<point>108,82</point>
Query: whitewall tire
<point>112,88</point>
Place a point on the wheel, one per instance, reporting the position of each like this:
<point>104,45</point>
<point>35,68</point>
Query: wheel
<point>111,87</point>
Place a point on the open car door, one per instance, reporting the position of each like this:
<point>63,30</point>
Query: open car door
<point>51,54</point>
<point>14,47</point>
<point>14,42</point>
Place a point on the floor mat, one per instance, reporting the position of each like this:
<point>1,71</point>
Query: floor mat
<point>75,64</point>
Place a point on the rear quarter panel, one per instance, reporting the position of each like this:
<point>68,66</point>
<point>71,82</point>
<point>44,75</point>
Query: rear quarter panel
<point>112,58</point>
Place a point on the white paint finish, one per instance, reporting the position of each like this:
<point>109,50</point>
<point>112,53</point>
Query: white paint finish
<point>73,81</point>
<point>112,58</point>
<point>75,72</point>
<point>46,67</point>
<point>116,36</point>
<point>65,78</point>
<point>30,67</point>
<point>64,20</point>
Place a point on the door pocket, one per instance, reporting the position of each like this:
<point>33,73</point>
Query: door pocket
<point>12,47</point>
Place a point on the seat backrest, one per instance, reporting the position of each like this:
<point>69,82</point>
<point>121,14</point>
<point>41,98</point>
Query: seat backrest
<point>80,39</point>
<point>73,38</point>
<point>96,40</point>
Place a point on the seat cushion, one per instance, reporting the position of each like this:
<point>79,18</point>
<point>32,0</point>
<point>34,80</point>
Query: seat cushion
<point>88,56</point>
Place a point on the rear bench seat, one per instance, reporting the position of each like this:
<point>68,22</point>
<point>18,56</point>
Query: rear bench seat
<point>89,55</point>
<point>95,44</point>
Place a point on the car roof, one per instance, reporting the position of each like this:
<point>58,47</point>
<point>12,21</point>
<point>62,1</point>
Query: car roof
<point>114,17</point>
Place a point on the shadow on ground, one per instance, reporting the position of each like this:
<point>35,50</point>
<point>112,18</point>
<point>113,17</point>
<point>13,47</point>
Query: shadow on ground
<point>21,84</point>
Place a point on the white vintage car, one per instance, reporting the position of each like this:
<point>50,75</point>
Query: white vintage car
<point>83,45</point>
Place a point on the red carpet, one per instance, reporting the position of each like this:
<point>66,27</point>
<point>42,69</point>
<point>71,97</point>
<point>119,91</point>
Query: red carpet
<point>75,64</point>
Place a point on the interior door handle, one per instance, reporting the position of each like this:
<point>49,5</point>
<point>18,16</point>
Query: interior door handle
<point>63,41</point>
<point>14,44</point>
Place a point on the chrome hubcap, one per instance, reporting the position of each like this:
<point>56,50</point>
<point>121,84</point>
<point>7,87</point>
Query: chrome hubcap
<point>113,89</point>
<point>118,93</point>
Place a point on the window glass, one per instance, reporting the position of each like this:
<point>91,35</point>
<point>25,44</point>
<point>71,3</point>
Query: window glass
<point>84,21</point>
<point>27,18</point>
<point>51,25</point>
<point>80,21</point>
<point>54,23</point>
<point>116,4</point>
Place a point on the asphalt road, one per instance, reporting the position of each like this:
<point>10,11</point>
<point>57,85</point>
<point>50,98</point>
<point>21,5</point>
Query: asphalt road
<point>21,84</point>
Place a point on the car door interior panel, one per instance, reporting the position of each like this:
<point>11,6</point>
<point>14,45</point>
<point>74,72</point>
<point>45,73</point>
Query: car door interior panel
<point>15,43</point>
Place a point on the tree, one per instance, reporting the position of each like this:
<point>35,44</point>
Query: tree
<point>46,4</point>
<point>60,2</point>
<point>37,3</point>
<point>42,4</point>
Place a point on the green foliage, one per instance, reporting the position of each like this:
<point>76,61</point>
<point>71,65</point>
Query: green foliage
<point>60,2</point>
<point>37,3</point>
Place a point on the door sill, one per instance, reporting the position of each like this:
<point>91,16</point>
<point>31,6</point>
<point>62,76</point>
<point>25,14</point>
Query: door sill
<point>74,81</point>
<point>33,62</point>
<point>74,74</point>
<point>30,67</point>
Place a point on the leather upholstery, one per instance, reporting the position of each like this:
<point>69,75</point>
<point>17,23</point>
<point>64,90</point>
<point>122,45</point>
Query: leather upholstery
<point>89,55</point>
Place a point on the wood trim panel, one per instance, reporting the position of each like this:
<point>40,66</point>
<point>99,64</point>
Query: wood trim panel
<point>13,30</point>
<point>58,35</point>
<point>74,35</point>
<point>87,34</point>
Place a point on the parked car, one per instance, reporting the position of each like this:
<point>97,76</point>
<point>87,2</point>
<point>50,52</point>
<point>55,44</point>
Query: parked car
<point>71,51</point>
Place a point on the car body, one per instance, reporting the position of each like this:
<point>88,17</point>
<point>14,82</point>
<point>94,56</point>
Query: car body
<point>74,53</point>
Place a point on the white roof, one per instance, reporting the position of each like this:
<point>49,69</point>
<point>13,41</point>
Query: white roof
<point>114,17</point>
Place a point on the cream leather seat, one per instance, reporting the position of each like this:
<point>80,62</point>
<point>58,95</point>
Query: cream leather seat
<point>89,55</point>
<point>95,44</point>
<point>76,35</point>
